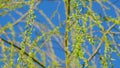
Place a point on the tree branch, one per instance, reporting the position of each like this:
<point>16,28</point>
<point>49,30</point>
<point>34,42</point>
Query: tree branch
<point>67,5</point>
<point>99,46</point>
<point>34,59</point>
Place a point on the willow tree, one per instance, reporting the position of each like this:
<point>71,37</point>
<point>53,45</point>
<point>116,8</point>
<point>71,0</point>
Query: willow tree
<point>87,36</point>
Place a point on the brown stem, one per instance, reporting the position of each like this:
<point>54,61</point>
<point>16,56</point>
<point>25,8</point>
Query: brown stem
<point>67,2</point>
<point>34,59</point>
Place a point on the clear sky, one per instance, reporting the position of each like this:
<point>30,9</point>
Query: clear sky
<point>48,7</point>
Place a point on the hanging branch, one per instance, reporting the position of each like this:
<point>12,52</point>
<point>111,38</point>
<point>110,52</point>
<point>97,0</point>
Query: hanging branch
<point>25,53</point>
<point>67,3</point>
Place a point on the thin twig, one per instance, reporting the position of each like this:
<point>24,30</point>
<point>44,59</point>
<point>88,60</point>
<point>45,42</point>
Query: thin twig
<point>34,59</point>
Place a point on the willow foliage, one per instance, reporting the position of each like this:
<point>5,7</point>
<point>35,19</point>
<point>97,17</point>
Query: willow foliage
<point>82,33</point>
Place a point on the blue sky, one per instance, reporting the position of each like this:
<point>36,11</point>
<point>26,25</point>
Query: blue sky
<point>48,7</point>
